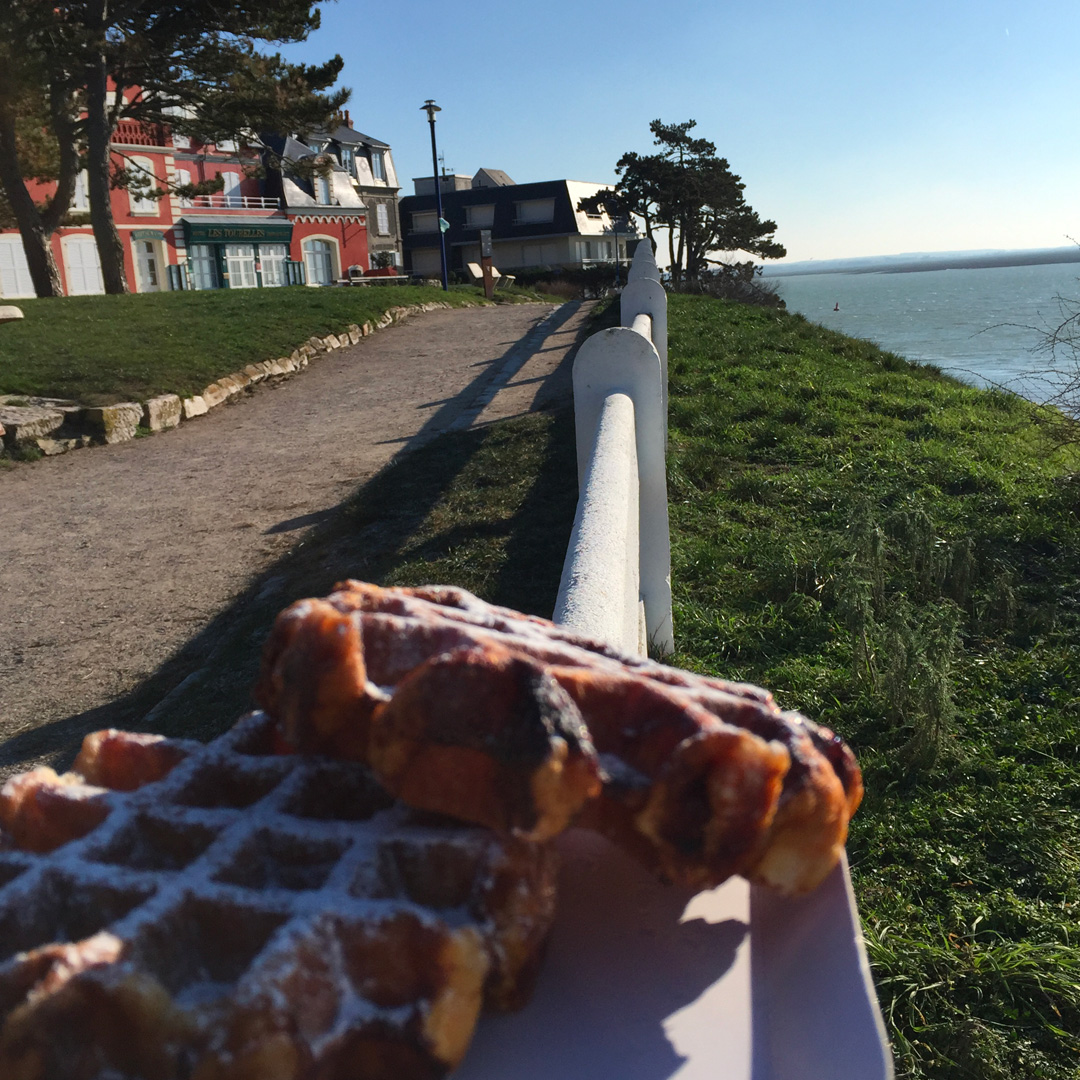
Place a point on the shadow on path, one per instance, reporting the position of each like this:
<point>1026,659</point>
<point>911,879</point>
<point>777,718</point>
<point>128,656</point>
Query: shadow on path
<point>375,534</point>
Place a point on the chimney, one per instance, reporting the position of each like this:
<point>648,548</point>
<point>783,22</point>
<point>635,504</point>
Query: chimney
<point>348,119</point>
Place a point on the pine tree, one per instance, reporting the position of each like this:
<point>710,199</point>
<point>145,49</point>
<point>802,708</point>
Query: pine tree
<point>38,136</point>
<point>691,192</point>
<point>194,66</point>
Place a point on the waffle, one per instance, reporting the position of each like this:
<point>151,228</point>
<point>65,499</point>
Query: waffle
<point>224,912</point>
<point>514,722</point>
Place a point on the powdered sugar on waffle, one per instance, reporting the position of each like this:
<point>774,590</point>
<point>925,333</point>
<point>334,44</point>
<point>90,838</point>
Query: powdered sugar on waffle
<point>265,895</point>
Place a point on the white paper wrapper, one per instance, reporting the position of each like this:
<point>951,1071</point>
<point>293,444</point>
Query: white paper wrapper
<point>644,982</point>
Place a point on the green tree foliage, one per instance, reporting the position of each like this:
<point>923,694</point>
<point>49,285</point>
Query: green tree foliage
<point>37,136</point>
<point>686,189</point>
<point>196,66</point>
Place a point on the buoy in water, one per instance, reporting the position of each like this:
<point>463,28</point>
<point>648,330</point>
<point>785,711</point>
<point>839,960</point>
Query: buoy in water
<point>837,308</point>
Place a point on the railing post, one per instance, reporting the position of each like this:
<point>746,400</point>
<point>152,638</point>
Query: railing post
<point>621,361</point>
<point>600,586</point>
<point>644,263</point>
<point>646,296</point>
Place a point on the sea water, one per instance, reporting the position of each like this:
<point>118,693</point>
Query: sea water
<point>983,326</point>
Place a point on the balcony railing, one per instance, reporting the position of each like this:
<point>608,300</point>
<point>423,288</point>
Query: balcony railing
<point>138,133</point>
<point>218,201</point>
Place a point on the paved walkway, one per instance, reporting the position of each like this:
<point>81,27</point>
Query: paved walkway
<point>112,558</point>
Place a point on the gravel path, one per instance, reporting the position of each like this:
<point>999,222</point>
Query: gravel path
<point>111,558</point>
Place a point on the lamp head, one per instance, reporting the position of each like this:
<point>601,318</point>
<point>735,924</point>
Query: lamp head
<point>431,109</point>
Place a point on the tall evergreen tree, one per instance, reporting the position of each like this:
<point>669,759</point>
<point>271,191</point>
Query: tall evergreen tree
<point>39,140</point>
<point>195,66</point>
<point>691,192</point>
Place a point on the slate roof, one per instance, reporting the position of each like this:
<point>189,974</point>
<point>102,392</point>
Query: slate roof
<point>497,177</point>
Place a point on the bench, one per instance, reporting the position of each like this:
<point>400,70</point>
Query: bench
<point>477,274</point>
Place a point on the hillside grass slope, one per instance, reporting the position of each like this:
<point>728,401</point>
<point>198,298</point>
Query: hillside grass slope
<point>896,555</point>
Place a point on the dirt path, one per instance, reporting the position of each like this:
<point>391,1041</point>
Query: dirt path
<point>112,558</point>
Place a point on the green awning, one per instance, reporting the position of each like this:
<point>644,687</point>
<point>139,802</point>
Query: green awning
<point>237,232</point>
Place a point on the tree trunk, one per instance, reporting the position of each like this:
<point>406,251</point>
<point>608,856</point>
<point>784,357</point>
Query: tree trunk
<point>35,236</point>
<point>681,252</point>
<point>693,253</point>
<point>99,160</point>
<point>62,113</point>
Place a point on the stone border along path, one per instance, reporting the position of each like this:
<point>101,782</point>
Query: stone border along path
<point>128,565</point>
<point>54,426</point>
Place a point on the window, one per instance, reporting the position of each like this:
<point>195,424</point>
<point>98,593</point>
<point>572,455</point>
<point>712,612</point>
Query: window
<point>425,221</point>
<point>539,255</point>
<point>83,266</point>
<point>322,190</point>
<point>146,266</point>
<point>232,189</point>
<point>15,280</point>
<point>347,159</point>
<point>426,261</point>
<point>382,219</point>
<point>240,264</point>
<point>272,258</point>
<point>480,217</point>
<point>534,211</point>
<point>319,260</point>
<point>183,176</point>
<point>202,262</point>
<point>378,165</point>
<point>80,201</point>
<point>141,171</point>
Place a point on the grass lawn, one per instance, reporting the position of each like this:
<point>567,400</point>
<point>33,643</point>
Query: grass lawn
<point>101,349</point>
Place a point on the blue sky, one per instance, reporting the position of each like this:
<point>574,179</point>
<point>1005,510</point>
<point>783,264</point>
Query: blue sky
<point>861,128</point>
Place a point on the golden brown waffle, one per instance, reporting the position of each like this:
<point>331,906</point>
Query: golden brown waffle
<point>223,912</point>
<point>514,722</point>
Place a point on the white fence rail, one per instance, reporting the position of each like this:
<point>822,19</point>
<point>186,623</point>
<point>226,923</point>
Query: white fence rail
<point>616,581</point>
<point>804,971</point>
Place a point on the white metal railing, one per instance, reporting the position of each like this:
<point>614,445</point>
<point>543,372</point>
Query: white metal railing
<point>805,970</point>
<point>218,201</point>
<point>616,581</point>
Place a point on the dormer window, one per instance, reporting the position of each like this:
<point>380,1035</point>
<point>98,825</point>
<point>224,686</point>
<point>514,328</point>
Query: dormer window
<point>378,165</point>
<point>322,190</point>
<point>534,211</point>
<point>347,160</point>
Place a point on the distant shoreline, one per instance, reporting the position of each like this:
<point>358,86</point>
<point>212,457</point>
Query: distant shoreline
<point>916,263</point>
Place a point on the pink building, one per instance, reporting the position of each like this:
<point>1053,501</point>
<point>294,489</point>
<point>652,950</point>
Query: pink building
<point>238,238</point>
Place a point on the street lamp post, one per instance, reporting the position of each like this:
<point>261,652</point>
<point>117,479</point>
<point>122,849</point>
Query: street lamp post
<point>431,109</point>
